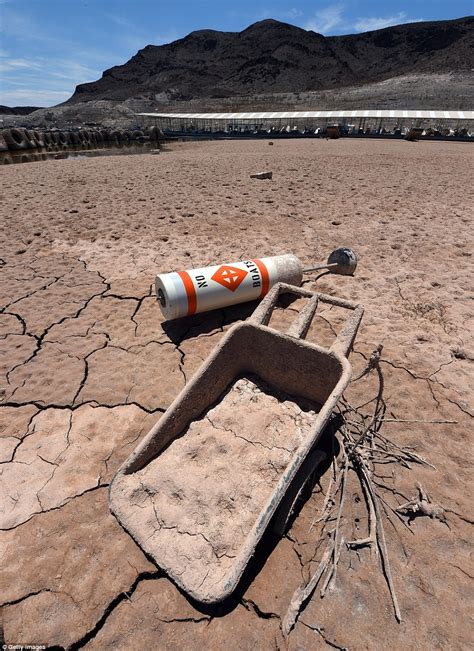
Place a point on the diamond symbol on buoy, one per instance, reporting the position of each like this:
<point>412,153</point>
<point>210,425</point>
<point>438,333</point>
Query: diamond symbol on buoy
<point>229,277</point>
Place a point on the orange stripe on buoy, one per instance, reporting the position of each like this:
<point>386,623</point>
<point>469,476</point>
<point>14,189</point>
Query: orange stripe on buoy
<point>265,277</point>
<point>190,291</point>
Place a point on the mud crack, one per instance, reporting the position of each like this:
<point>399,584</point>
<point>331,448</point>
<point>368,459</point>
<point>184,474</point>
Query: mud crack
<point>126,594</point>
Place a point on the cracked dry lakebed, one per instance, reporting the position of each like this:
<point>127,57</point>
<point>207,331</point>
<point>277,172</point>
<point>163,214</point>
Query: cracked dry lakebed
<point>88,368</point>
<point>195,504</point>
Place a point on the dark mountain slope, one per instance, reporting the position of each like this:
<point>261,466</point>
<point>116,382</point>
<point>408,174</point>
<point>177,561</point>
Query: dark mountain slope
<point>433,47</point>
<point>18,110</point>
<point>274,57</point>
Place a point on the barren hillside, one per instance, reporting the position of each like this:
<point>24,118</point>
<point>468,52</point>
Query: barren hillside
<point>274,57</point>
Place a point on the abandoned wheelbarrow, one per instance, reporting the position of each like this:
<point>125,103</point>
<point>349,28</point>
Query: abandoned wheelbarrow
<point>199,491</point>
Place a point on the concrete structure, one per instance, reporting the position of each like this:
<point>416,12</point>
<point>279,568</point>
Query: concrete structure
<point>365,122</point>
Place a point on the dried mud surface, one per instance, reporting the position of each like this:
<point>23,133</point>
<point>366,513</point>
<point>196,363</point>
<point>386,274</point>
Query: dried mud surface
<point>233,458</point>
<point>87,367</point>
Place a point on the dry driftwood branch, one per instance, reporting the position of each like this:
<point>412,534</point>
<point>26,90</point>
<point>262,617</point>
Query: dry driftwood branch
<point>372,362</point>
<point>331,575</point>
<point>379,405</point>
<point>320,631</point>
<point>391,489</point>
<point>422,506</point>
<point>411,455</point>
<point>330,499</point>
<point>305,590</point>
<point>364,447</point>
<point>341,502</point>
<point>416,420</point>
<point>326,503</point>
<point>337,547</point>
<point>371,539</point>
<point>376,537</point>
<point>381,543</point>
<point>386,506</point>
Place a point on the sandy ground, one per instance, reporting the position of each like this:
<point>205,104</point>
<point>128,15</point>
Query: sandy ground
<point>88,367</point>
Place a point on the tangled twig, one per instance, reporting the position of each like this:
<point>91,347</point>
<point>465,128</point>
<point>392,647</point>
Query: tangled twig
<point>364,447</point>
<point>422,506</point>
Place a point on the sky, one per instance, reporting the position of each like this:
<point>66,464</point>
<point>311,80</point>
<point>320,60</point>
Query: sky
<point>47,47</point>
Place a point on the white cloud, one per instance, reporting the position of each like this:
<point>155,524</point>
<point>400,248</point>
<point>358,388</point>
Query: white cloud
<point>370,24</point>
<point>13,65</point>
<point>42,80</point>
<point>292,13</point>
<point>18,24</point>
<point>163,39</point>
<point>66,69</point>
<point>331,20</point>
<point>132,43</point>
<point>31,97</point>
<point>120,20</point>
<point>49,78</point>
<point>135,39</point>
<point>327,19</point>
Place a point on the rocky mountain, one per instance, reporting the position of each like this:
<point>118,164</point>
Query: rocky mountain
<point>274,57</point>
<point>18,110</point>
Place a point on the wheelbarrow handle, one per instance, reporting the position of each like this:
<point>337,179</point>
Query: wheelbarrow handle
<point>300,327</point>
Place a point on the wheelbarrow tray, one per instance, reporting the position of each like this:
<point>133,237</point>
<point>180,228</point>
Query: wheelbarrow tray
<point>198,493</point>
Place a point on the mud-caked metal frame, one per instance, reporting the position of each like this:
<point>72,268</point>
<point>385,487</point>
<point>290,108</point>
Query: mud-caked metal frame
<point>285,361</point>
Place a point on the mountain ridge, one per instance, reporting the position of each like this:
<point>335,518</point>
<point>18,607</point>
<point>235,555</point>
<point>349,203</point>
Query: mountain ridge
<point>18,110</point>
<point>274,57</point>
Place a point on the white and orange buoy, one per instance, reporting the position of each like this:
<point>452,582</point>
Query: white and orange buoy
<point>183,293</point>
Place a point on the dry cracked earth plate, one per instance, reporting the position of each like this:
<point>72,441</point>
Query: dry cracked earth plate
<point>87,367</point>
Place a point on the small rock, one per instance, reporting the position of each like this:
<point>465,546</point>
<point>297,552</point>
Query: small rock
<point>336,223</point>
<point>74,210</point>
<point>262,175</point>
<point>459,353</point>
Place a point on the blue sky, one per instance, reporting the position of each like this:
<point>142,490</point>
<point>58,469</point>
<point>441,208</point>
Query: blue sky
<point>47,47</point>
